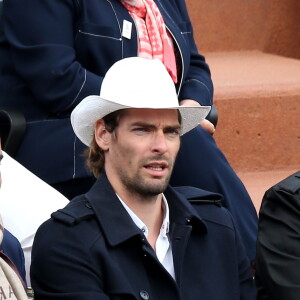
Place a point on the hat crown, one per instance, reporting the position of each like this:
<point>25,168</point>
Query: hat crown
<point>133,82</point>
<point>139,82</point>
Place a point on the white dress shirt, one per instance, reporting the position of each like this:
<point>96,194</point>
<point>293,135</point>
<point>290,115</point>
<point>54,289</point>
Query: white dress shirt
<point>163,247</point>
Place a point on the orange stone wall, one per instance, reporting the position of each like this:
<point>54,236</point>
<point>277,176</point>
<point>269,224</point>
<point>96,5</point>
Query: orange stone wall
<point>271,26</point>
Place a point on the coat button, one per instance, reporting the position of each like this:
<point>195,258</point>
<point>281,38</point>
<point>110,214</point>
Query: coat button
<point>88,205</point>
<point>144,295</point>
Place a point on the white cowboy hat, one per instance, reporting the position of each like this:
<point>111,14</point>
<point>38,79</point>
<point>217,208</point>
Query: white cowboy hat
<point>133,83</point>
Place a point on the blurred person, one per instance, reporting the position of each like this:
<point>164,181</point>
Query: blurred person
<point>56,52</point>
<point>12,264</point>
<point>11,284</point>
<point>11,247</point>
<point>25,202</point>
<point>132,236</point>
<point>278,242</point>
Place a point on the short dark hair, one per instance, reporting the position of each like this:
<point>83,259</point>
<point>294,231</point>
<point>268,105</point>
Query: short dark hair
<point>94,154</point>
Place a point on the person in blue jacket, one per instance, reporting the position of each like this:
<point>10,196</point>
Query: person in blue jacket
<point>132,236</point>
<point>54,53</point>
<point>10,245</point>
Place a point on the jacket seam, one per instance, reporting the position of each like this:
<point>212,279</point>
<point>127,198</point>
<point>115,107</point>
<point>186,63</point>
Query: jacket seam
<point>197,80</point>
<point>121,39</point>
<point>74,158</point>
<point>99,35</point>
<point>84,81</point>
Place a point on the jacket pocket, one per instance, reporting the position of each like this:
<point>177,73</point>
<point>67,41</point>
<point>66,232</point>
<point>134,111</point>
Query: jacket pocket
<point>101,31</point>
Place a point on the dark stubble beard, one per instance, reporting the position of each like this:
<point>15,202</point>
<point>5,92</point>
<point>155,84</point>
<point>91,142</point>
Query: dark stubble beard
<point>139,186</point>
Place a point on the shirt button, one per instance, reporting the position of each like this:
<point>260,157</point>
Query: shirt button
<point>144,295</point>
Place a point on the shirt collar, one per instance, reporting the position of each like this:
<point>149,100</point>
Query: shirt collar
<point>140,224</point>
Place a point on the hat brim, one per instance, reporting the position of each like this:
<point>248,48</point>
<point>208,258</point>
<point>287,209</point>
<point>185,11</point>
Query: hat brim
<point>93,108</point>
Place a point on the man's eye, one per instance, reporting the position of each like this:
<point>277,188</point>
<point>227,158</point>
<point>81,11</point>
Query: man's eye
<point>139,129</point>
<point>173,131</point>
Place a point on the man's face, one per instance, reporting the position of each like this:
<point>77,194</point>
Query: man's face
<point>142,150</point>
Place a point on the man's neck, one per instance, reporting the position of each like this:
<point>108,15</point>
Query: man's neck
<point>149,210</point>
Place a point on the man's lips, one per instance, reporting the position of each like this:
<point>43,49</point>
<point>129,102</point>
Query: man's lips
<point>157,168</point>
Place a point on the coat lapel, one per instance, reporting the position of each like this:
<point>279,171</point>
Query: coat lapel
<point>183,220</point>
<point>109,212</point>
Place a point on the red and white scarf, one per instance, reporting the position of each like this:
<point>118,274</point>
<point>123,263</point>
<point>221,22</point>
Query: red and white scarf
<point>154,40</point>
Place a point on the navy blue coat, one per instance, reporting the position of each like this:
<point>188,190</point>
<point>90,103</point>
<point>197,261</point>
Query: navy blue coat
<point>12,248</point>
<point>92,250</point>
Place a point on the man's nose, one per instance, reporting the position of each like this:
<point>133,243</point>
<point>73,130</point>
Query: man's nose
<point>159,143</point>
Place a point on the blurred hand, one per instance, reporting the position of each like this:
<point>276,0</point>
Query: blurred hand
<point>207,125</point>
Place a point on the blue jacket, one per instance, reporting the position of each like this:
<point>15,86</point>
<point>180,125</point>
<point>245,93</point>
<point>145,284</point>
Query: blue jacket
<point>56,52</point>
<point>91,250</point>
<point>12,248</point>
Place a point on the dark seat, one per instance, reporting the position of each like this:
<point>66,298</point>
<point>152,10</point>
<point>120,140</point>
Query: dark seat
<point>213,116</point>
<point>12,130</point>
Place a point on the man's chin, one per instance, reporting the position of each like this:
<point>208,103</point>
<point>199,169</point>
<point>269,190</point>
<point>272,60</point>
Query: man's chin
<point>146,186</point>
<point>153,188</point>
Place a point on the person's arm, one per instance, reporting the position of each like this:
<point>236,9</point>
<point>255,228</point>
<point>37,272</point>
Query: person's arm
<point>198,85</point>
<point>245,272</point>
<point>246,277</point>
<point>62,266</point>
<point>278,243</point>
<point>41,36</point>
<point>12,248</point>
<point>197,89</point>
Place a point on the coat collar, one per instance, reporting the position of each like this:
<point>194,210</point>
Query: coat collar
<point>109,211</point>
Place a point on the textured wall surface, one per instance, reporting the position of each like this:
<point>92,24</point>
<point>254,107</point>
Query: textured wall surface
<point>231,25</point>
<point>258,100</point>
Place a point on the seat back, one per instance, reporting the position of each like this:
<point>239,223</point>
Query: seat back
<point>12,130</point>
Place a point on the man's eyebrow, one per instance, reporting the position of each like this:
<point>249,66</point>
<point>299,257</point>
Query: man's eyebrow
<point>143,124</point>
<point>177,127</point>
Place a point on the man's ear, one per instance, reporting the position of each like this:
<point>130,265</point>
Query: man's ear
<point>102,135</point>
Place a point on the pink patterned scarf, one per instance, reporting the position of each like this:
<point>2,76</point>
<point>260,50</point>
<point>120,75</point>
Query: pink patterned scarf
<point>154,40</point>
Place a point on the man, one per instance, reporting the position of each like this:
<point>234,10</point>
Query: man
<point>132,236</point>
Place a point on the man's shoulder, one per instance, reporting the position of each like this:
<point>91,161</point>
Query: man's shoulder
<point>208,205</point>
<point>74,212</point>
<point>75,221</point>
